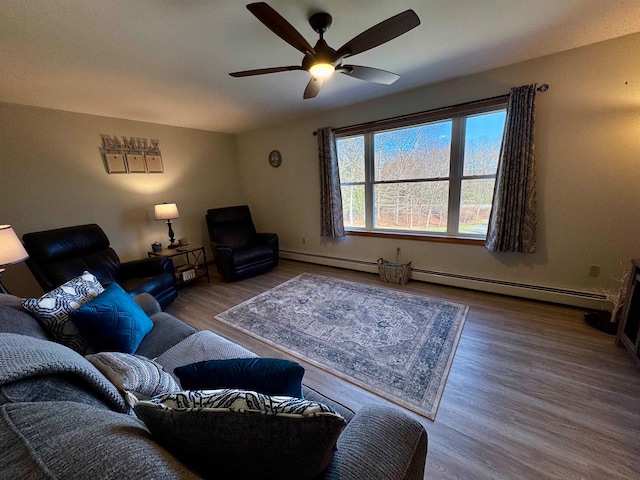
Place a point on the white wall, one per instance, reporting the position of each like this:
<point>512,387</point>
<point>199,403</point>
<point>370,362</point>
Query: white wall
<point>52,175</point>
<point>588,169</point>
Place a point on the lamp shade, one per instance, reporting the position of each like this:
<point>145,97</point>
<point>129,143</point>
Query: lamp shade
<point>166,211</point>
<point>11,249</point>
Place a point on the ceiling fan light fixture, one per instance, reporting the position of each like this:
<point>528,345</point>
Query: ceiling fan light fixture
<point>322,69</point>
<point>321,60</point>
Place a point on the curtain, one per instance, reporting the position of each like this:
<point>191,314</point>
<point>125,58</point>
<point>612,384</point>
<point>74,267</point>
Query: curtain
<point>331,222</point>
<point>512,223</point>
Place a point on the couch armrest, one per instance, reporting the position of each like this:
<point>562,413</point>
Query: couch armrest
<point>270,239</point>
<point>315,396</point>
<point>223,256</point>
<point>380,443</point>
<point>148,303</point>
<point>146,267</point>
<point>222,250</point>
<point>266,238</point>
<point>273,242</point>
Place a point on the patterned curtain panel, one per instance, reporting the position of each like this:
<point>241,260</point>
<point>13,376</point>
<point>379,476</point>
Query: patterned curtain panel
<point>332,224</point>
<point>512,224</point>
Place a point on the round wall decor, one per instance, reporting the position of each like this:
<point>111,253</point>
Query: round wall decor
<point>275,158</point>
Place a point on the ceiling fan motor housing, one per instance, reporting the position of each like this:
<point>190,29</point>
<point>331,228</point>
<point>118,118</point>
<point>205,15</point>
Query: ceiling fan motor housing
<point>320,22</point>
<point>324,54</point>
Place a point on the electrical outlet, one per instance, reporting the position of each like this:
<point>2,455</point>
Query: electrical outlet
<point>594,270</point>
<point>304,240</point>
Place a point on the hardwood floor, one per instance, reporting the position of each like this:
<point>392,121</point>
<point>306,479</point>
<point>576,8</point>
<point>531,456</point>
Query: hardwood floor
<point>533,393</point>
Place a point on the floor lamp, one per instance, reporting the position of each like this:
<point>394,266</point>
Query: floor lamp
<point>11,251</point>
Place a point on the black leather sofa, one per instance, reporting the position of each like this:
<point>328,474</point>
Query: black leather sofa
<point>56,256</point>
<point>240,251</point>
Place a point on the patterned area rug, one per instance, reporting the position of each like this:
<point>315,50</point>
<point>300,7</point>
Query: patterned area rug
<point>398,345</point>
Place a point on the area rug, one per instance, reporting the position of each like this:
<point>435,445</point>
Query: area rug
<point>395,344</point>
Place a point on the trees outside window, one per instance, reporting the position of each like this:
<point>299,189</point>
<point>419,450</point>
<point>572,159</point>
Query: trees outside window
<point>432,176</point>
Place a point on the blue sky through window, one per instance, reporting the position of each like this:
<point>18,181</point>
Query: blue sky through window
<point>483,125</point>
<point>486,124</point>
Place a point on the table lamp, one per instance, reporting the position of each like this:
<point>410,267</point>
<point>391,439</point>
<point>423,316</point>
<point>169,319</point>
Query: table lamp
<point>11,250</point>
<point>167,211</point>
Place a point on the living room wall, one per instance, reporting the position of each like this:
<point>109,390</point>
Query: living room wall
<point>588,152</point>
<point>53,176</point>
<point>588,159</point>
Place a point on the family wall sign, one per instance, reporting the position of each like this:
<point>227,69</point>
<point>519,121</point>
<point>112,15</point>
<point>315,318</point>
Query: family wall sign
<point>131,154</point>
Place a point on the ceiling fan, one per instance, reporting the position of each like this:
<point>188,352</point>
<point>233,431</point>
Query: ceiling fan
<point>321,60</point>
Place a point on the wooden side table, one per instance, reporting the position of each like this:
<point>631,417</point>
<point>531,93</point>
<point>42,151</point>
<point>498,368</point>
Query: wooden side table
<point>195,262</point>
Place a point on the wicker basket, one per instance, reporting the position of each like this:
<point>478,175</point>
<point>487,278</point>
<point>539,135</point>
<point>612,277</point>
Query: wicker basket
<point>394,272</point>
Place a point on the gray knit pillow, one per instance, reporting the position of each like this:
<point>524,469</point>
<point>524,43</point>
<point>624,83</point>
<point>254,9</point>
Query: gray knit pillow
<point>134,373</point>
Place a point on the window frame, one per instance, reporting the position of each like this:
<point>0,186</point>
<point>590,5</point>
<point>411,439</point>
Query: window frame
<point>457,114</point>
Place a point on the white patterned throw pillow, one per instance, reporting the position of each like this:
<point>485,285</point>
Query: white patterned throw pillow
<point>242,401</point>
<point>52,309</point>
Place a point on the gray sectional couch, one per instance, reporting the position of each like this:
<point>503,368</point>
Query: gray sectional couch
<point>61,418</point>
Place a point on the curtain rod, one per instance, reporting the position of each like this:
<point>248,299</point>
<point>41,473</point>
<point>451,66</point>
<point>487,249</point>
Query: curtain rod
<point>542,88</point>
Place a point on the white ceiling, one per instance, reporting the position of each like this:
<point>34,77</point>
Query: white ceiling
<point>167,61</point>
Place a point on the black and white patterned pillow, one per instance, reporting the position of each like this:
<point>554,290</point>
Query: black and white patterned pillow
<point>134,373</point>
<point>52,309</point>
<point>242,401</point>
<point>244,434</point>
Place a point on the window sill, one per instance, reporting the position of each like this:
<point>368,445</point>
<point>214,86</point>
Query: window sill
<point>417,237</point>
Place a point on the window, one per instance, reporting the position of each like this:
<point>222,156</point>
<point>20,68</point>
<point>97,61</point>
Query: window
<point>432,175</point>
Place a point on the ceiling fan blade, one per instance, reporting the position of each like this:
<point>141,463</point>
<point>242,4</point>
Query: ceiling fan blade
<point>313,87</point>
<point>369,74</point>
<point>381,33</point>
<point>278,25</point>
<point>262,71</point>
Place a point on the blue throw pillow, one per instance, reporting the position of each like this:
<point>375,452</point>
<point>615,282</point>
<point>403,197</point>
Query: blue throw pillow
<point>269,376</point>
<point>112,321</point>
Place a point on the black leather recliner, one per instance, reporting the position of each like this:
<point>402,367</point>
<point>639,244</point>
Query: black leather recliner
<point>56,256</point>
<point>240,251</point>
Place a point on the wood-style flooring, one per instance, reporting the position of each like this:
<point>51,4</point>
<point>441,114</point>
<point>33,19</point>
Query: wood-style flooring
<point>533,393</point>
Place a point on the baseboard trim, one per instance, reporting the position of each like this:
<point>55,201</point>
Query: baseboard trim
<point>577,298</point>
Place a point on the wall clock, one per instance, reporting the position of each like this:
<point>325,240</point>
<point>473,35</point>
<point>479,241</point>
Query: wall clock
<point>275,158</point>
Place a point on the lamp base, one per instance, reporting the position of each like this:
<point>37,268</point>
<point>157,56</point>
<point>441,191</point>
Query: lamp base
<point>172,237</point>
<point>2,288</point>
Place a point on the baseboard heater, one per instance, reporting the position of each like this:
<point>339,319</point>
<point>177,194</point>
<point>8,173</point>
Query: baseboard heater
<point>537,292</point>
